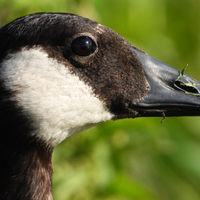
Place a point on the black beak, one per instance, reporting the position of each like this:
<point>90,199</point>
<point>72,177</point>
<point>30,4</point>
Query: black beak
<point>169,94</point>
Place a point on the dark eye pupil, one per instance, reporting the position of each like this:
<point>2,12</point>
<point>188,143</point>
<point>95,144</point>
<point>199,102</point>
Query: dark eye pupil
<point>83,46</point>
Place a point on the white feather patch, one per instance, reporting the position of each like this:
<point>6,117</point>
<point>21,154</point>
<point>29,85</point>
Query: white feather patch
<point>57,101</point>
<point>99,28</point>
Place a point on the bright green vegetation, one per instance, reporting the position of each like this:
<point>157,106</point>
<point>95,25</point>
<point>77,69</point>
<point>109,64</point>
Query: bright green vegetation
<point>187,86</point>
<point>132,159</point>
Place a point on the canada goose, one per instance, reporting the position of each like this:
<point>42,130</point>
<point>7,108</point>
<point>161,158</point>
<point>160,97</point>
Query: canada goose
<point>61,74</point>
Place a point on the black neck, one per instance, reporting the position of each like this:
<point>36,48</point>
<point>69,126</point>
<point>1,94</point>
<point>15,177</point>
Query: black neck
<point>25,162</point>
<point>25,171</point>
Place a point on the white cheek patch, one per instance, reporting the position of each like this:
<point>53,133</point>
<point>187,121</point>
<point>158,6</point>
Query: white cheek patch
<point>58,103</point>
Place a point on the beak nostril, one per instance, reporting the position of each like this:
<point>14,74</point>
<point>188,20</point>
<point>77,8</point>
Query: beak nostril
<point>185,87</point>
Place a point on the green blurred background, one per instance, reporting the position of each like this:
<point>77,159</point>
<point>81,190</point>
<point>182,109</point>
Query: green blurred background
<point>131,159</point>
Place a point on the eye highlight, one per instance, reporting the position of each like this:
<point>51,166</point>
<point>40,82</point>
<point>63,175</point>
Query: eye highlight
<point>83,46</point>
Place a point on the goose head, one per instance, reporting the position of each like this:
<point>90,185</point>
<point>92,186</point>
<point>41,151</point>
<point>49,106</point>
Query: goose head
<point>62,73</point>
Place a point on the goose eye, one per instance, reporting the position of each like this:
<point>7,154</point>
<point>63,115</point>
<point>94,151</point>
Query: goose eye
<point>83,46</point>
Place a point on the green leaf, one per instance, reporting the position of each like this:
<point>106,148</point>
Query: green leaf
<point>189,84</point>
<point>195,94</point>
<point>182,72</point>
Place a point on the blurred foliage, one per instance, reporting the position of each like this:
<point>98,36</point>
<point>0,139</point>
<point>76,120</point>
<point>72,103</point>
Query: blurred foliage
<point>138,159</point>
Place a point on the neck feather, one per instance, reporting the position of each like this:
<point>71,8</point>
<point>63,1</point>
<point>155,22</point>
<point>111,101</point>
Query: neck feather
<point>25,162</point>
<point>25,173</point>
